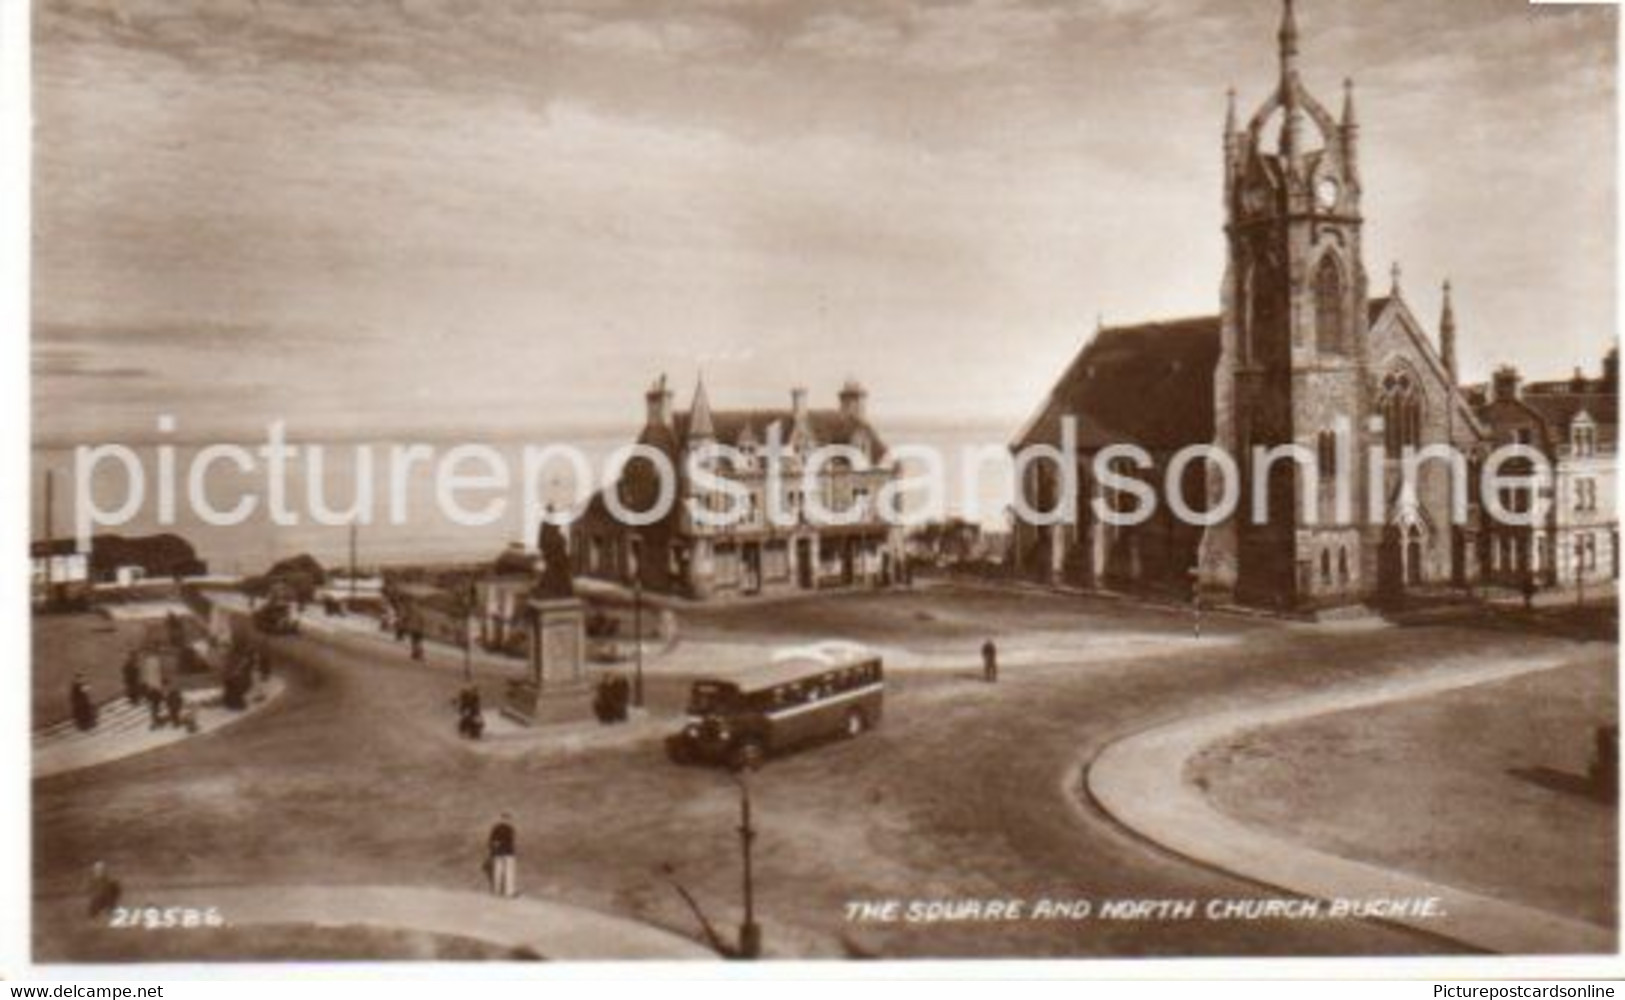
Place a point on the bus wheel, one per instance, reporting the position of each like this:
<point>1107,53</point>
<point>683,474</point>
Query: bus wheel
<point>748,756</point>
<point>855,723</point>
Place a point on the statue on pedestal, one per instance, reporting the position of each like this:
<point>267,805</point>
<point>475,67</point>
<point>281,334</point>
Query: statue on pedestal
<point>554,581</point>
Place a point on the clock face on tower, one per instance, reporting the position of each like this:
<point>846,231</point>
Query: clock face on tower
<point>1326,193</point>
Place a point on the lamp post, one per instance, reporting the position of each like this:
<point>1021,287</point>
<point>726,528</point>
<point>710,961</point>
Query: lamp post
<point>1580,570</point>
<point>750,933</point>
<point>1196,602</point>
<point>468,632</point>
<point>637,621</point>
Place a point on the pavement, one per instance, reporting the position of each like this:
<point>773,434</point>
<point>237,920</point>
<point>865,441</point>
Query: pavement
<point>687,657</point>
<point>1140,780</point>
<point>124,730</point>
<point>551,930</point>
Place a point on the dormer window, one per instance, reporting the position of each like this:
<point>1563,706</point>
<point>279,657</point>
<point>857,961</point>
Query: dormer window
<point>1583,436</point>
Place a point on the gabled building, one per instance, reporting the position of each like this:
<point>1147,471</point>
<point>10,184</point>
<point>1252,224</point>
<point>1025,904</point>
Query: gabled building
<point>1574,424</point>
<point>754,555</point>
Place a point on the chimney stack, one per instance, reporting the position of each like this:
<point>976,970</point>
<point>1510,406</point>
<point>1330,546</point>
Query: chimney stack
<point>1506,384</point>
<point>854,400</point>
<point>658,402</point>
<point>1610,371</point>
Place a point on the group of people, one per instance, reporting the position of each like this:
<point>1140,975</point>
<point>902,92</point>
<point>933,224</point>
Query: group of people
<point>612,701</point>
<point>406,628</point>
<point>165,703</point>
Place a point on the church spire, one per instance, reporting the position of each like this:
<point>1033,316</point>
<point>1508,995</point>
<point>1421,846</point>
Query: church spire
<point>1447,334</point>
<point>700,425</point>
<point>1289,39</point>
<point>1351,134</point>
<point>1292,125</point>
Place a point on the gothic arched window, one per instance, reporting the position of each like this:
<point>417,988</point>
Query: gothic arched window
<point>1401,413</point>
<point>1266,336</point>
<point>1329,311</point>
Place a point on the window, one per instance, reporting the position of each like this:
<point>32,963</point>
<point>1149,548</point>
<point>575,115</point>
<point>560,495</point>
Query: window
<point>1585,439</point>
<point>1585,552</point>
<point>1329,308</point>
<point>1326,566</point>
<point>1326,456</point>
<point>1401,414</point>
<point>1343,565</point>
<point>1585,495</point>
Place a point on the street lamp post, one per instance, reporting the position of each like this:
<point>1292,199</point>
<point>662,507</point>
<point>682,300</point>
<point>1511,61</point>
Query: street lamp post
<point>750,933</point>
<point>469,600</point>
<point>1580,570</point>
<point>1196,603</point>
<point>637,621</point>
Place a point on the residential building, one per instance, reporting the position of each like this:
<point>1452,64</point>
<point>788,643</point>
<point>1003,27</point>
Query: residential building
<point>776,544</point>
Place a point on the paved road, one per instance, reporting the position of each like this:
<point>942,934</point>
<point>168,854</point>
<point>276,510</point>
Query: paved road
<point>1141,781</point>
<point>355,776</point>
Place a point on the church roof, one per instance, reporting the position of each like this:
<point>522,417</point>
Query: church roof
<point>1150,385</point>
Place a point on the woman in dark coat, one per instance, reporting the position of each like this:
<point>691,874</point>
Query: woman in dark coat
<point>79,703</point>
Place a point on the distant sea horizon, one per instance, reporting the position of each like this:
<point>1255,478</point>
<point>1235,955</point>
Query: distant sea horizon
<point>425,534</point>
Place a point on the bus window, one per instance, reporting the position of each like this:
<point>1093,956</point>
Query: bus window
<point>707,697</point>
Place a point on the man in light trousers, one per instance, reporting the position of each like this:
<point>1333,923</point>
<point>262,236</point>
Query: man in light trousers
<point>501,858</point>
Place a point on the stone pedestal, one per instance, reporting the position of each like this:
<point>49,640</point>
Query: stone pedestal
<point>558,658</point>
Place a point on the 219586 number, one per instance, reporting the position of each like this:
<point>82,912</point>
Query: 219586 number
<point>165,917</point>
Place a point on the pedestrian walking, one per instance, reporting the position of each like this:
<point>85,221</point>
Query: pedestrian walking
<point>501,858</point>
<point>470,713</point>
<point>990,662</point>
<point>155,707</point>
<point>80,704</point>
<point>175,702</point>
<point>104,891</point>
<point>132,680</point>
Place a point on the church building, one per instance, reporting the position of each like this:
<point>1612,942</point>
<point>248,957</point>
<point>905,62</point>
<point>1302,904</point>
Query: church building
<point>1300,353</point>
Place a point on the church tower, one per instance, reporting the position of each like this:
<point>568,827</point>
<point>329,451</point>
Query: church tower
<point>1293,364</point>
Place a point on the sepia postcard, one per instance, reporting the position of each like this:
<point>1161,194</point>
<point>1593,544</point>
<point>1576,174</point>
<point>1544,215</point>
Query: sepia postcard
<point>521,481</point>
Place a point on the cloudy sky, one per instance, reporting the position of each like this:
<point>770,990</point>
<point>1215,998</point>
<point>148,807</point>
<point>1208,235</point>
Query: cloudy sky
<point>442,215</point>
